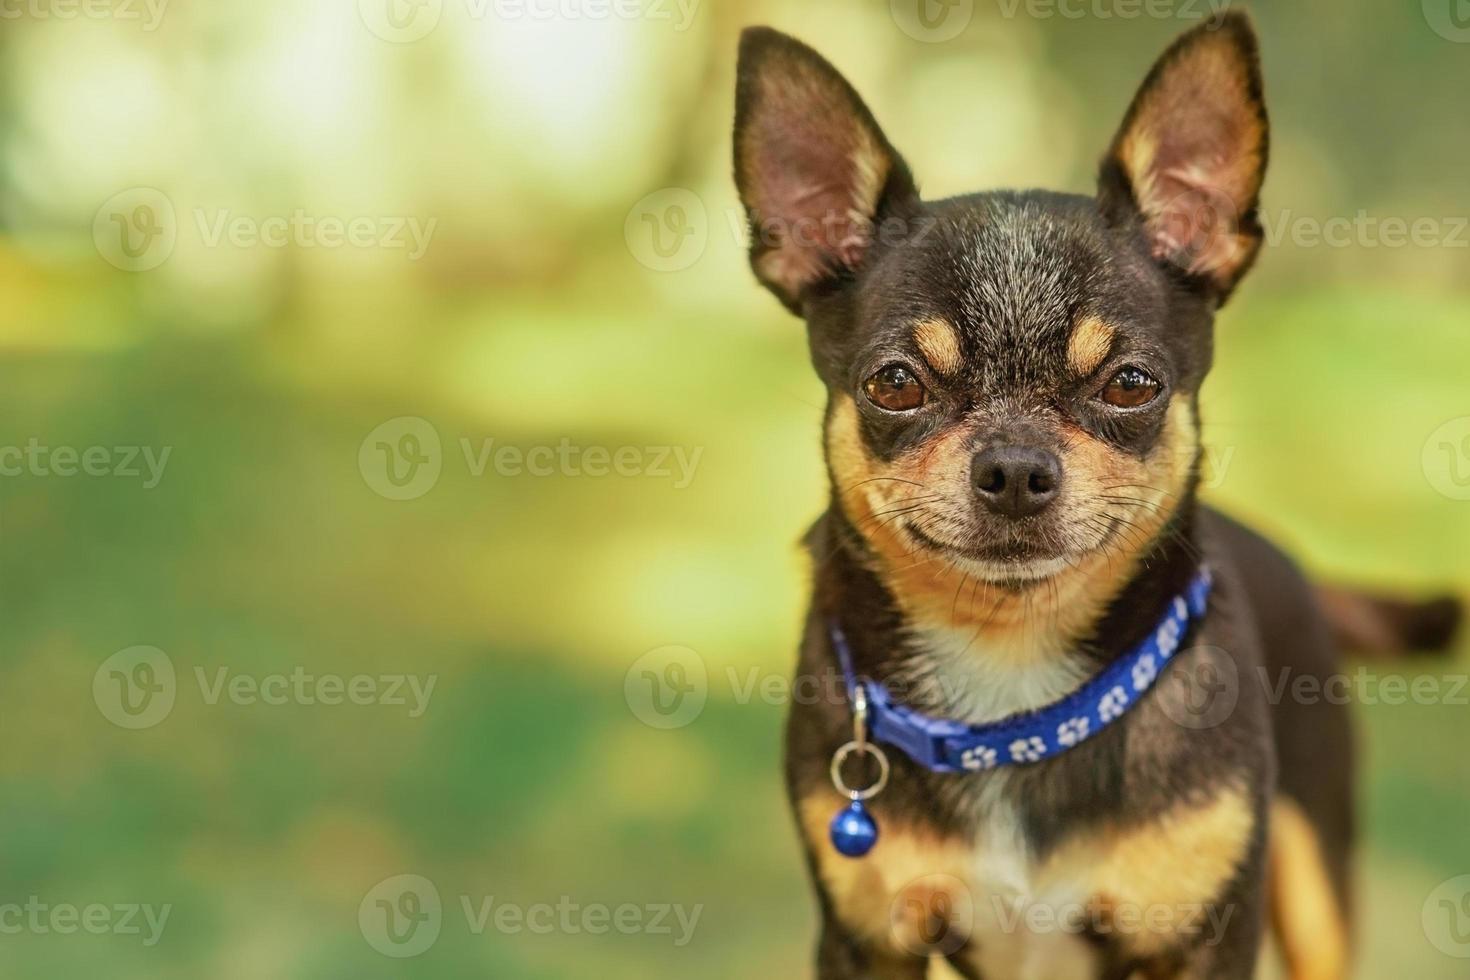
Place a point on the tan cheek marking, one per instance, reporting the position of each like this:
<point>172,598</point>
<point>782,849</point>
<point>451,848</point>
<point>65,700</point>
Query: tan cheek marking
<point>1089,344</point>
<point>871,492</point>
<point>932,592</point>
<point>1304,911</point>
<point>1153,486</point>
<point>889,896</point>
<point>1166,874</point>
<point>940,344</point>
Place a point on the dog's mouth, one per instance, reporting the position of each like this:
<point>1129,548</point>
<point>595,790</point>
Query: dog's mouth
<point>1015,563</point>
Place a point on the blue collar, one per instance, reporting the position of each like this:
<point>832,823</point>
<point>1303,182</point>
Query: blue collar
<point>949,746</point>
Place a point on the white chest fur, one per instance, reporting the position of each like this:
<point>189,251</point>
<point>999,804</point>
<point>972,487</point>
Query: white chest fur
<point>1015,930</point>
<point>975,680</point>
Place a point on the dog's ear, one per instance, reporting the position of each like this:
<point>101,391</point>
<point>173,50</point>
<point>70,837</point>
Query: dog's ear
<point>814,171</point>
<point>1189,158</point>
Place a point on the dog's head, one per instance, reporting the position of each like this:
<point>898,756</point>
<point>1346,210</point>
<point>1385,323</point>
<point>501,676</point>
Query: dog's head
<point>1012,376</point>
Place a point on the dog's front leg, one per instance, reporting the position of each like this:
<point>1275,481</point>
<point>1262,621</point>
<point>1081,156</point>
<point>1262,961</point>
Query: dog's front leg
<point>842,957</point>
<point>1229,946</point>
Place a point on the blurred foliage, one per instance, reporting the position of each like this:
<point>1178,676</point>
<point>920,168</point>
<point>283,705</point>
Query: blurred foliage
<point>530,319</point>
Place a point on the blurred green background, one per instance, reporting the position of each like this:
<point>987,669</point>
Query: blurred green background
<point>208,214</point>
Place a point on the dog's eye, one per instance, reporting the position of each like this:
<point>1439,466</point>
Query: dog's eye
<point>1130,388</point>
<point>895,388</point>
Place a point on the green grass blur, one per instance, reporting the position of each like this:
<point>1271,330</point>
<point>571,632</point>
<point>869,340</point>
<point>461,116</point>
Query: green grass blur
<point>533,319</point>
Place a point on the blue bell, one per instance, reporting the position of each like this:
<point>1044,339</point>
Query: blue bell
<point>853,831</point>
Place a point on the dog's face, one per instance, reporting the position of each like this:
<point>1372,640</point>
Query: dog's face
<point>1012,376</point>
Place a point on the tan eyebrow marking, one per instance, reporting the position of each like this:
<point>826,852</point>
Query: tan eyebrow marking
<point>1090,342</point>
<point>940,344</point>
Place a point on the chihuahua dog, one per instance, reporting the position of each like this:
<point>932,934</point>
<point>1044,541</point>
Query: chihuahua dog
<point>1051,753</point>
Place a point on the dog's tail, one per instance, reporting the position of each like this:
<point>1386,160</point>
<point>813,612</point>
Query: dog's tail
<point>1380,626</point>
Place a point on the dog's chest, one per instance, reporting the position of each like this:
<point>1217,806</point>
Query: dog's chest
<point>979,893</point>
<point>983,898</point>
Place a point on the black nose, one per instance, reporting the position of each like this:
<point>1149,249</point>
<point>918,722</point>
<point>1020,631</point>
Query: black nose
<point>1016,481</point>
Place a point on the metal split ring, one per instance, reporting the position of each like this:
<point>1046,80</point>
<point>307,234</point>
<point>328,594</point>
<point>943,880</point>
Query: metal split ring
<point>841,756</point>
